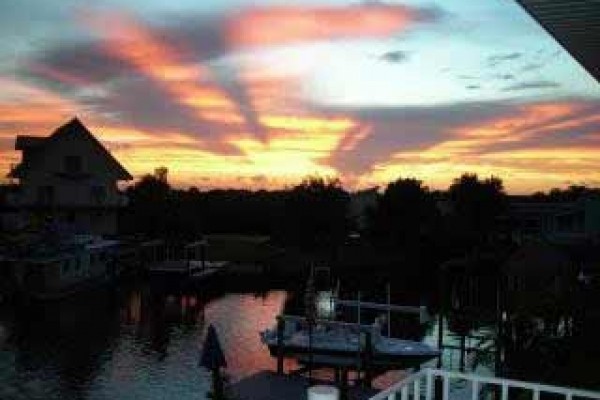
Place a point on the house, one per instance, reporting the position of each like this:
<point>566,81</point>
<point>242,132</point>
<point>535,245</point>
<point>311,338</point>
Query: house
<point>563,223</point>
<point>68,179</point>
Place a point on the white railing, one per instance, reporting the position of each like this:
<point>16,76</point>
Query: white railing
<point>422,384</point>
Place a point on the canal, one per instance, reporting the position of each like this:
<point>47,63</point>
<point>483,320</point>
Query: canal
<point>141,341</point>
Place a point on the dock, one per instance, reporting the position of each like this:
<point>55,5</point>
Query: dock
<point>267,385</point>
<point>188,260</point>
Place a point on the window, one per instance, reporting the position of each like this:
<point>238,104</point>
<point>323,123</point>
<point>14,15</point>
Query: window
<point>72,164</point>
<point>98,194</point>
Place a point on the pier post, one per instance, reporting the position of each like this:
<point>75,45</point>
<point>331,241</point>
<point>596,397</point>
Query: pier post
<point>462,352</point>
<point>367,359</point>
<point>280,326</point>
<point>498,364</point>
<point>442,310</point>
<point>203,255</point>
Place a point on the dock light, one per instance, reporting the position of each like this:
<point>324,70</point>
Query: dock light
<point>325,305</point>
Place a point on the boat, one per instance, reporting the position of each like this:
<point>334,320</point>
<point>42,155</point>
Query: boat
<point>54,269</point>
<point>339,343</point>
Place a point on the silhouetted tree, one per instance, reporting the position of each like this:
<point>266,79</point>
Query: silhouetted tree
<point>148,211</point>
<point>477,205</point>
<point>572,193</point>
<point>405,213</point>
<point>315,213</point>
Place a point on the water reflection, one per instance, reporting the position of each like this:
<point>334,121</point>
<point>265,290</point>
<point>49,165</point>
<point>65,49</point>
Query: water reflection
<point>139,343</point>
<point>143,342</point>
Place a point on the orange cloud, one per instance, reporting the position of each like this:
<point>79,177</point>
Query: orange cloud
<point>269,26</point>
<point>475,148</point>
<point>190,85</point>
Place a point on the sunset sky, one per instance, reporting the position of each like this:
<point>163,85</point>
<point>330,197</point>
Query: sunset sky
<point>258,94</point>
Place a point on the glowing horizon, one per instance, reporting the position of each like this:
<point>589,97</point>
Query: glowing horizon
<point>366,92</point>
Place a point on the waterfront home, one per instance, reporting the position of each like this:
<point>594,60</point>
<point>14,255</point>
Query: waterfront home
<point>572,222</point>
<point>64,200</point>
<point>68,178</point>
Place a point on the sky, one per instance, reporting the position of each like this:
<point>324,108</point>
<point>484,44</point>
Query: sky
<point>260,94</point>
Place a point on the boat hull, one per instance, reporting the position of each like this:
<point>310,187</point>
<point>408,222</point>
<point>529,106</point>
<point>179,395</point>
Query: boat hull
<point>332,357</point>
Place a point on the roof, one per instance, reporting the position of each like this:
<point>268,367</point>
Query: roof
<point>575,24</point>
<point>28,142</point>
<point>73,127</point>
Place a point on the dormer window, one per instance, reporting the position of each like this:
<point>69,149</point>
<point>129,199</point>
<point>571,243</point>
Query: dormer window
<point>72,164</point>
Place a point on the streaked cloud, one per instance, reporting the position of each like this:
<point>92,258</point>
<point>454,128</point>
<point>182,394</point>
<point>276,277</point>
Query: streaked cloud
<point>364,91</point>
<point>542,84</point>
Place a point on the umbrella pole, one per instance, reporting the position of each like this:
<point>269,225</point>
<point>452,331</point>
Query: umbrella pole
<point>217,393</point>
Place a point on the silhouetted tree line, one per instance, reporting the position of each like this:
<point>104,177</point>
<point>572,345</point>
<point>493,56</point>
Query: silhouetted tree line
<point>315,213</point>
<point>571,193</point>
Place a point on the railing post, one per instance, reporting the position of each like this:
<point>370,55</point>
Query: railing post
<point>429,385</point>
<point>474,390</point>
<point>504,391</point>
<point>280,327</point>
<point>446,389</point>
<point>417,389</point>
<point>404,393</point>
<point>463,351</point>
<point>441,312</point>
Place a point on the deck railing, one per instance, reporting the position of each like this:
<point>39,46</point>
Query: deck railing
<point>423,384</point>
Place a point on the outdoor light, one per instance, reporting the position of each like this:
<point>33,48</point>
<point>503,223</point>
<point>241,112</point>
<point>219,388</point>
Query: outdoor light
<point>325,305</point>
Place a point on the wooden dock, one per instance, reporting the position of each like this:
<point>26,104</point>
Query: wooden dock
<point>267,385</point>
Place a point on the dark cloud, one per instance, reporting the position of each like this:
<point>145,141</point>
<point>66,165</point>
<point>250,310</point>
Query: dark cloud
<point>541,84</point>
<point>394,56</point>
<point>579,127</point>
<point>501,58</point>
<point>531,67</point>
<point>410,129</point>
<point>194,39</point>
<point>143,104</point>
<point>396,129</point>
<point>504,77</point>
<point>86,62</point>
<point>431,14</point>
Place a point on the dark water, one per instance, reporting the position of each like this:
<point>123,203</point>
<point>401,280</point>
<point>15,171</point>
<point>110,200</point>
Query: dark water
<point>139,342</point>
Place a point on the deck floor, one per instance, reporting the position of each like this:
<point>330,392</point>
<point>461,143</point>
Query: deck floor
<point>268,385</point>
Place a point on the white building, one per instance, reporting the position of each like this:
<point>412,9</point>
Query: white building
<point>68,178</point>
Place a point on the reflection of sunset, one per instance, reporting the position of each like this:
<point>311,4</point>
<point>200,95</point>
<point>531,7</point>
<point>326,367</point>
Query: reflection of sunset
<point>239,332</point>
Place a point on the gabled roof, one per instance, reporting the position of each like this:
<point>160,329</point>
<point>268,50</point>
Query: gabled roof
<point>73,127</point>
